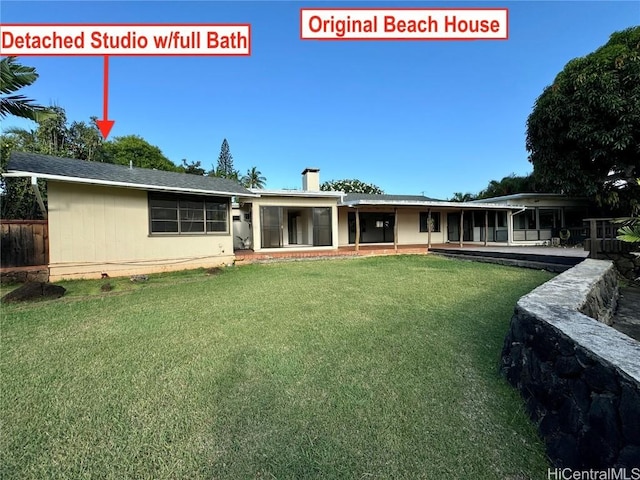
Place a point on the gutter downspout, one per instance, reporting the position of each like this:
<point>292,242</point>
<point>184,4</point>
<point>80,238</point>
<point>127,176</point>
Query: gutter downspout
<point>36,191</point>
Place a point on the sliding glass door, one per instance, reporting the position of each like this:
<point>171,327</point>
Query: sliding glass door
<point>296,226</point>
<point>322,226</point>
<point>271,222</point>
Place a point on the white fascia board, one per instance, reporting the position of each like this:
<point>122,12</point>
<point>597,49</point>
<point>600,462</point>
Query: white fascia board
<point>457,205</point>
<point>109,183</point>
<point>295,193</point>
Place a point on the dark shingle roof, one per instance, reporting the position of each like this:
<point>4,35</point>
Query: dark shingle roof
<point>364,197</point>
<point>107,173</point>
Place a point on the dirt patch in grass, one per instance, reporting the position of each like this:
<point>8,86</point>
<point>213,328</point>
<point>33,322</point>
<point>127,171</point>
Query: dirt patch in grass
<point>34,292</point>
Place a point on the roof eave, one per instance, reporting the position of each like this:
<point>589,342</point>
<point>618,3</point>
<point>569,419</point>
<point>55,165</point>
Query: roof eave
<point>110,183</point>
<point>377,203</point>
<point>295,193</point>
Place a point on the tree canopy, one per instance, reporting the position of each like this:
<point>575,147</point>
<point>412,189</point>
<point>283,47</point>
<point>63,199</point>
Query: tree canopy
<point>54,137</point>
<point>350,186</point>
<point>583,135</point>
<point>135,149</point>
<point>509,185</point>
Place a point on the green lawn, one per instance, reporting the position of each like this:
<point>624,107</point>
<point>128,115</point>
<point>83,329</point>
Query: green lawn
<point>362,368</point>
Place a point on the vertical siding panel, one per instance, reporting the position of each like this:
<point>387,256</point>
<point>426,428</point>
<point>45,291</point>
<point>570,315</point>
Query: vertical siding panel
<point>111,222</point>
<point>100,225</point>
<point>66,230</point>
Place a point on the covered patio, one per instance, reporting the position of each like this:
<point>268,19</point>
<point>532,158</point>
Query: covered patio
<point>401,220</point>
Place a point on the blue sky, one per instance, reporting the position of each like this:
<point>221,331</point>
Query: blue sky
<point>432,117</point>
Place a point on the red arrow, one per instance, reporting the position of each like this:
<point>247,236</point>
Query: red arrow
<point>105,125</point>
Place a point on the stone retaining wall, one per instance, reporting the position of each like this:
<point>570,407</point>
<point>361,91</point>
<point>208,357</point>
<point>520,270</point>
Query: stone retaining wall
<point>628,264</point>
<point>24,274</point>
<point>580,378</point>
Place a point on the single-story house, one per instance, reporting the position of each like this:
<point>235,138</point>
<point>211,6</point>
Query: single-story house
<point>276,219</point>
<point>313,219</point>
<point>120,220</point>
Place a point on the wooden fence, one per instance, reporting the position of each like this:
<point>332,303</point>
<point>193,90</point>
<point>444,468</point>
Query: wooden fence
<point>24,243</point>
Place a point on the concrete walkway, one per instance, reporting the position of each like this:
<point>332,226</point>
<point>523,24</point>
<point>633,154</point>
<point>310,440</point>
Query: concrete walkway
<point>627,317</point>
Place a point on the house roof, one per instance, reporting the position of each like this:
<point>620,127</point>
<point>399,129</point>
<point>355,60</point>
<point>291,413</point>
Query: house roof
<point>22,164</point>
<point>362,199</point>
<point>522,196</point>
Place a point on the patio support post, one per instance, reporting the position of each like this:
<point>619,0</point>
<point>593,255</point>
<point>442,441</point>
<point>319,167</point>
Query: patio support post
<point>486,227</point>
<point>428,229</point>
<point>593,238</point>
<point>395,229</point>
<point>357,229</point>
<point>461,226</point>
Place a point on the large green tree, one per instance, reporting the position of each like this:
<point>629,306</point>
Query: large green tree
<point>13,77</point>
<point>348,185</point>
<point>137,151</point>
<point>583,134</point>
<point>509,185</point>
<point>84,141</point>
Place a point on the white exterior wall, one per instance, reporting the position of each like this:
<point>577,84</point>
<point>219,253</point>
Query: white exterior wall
<point>242,231</point>
<point>293,203</point>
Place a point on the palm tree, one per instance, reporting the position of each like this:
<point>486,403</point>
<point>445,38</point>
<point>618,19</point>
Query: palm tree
<point>254,179</point>
<point>462,197</point>
<point>630,231</point>
<point>14,76</point>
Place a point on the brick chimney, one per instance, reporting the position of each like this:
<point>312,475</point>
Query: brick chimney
<point>311,180</point>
